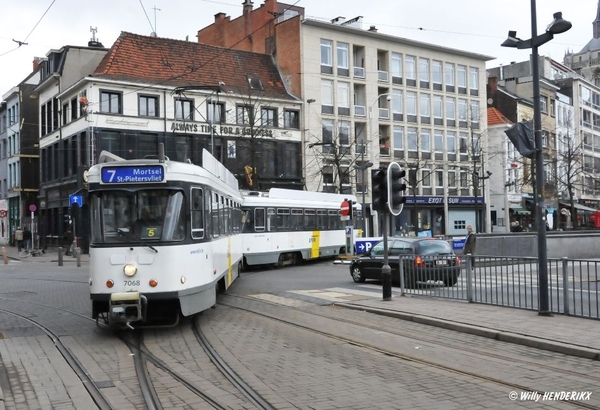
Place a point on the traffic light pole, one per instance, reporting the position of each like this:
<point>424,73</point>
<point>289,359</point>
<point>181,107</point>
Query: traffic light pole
<point>386,270</point>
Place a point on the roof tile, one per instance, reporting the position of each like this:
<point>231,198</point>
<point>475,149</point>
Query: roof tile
<point>495,117</point>
<point>177,63</point>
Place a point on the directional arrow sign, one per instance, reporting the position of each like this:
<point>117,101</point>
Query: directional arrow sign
<point>76,199</point>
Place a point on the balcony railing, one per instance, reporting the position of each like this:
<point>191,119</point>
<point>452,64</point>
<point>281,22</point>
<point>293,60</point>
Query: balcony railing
<point>359,72</point>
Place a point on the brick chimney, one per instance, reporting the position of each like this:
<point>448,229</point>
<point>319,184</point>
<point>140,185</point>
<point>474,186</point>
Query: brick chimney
<point>373,29</point>
<point>36,63</point>
<point>248,17</point>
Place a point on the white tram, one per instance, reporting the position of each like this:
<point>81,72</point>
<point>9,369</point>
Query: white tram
<point>284,227</point>
<point>165,237</point>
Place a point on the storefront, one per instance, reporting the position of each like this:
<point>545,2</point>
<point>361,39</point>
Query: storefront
<point>424,216</point>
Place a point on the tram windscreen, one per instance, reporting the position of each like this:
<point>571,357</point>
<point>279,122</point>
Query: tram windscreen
<point>140,216</point>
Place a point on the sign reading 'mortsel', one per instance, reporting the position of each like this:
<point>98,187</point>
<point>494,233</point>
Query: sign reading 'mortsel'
<point>222,130</point>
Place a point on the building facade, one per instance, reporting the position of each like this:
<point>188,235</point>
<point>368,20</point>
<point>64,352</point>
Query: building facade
<point>372,98</point>
<point>19,179</point>
<point>145,91</point>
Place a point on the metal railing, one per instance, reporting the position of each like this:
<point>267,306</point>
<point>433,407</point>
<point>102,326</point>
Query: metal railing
<point>573,284</point>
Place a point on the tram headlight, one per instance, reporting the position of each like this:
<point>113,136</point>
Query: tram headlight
<point>129,269</point>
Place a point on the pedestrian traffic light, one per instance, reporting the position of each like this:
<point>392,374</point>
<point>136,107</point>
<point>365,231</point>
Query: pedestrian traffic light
<point>396,187</point>
<point>379,189</point>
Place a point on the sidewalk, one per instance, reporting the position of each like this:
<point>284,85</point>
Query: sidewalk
<point>569,335</point>
<point>50,255</point>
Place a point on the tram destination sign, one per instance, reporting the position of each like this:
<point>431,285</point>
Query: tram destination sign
<point>133,174</point>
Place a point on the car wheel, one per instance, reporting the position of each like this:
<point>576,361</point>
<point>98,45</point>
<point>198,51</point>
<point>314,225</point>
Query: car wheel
<point>450,280</point>
<point>357,274</point>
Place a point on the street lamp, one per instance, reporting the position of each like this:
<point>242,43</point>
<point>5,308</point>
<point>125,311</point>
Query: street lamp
<point>363,167</point>
<point>476,179</point>
<point>370,134</point>
<point>557,26</point>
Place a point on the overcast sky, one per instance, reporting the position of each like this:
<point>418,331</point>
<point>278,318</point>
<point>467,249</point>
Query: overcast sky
<point>478,26</point>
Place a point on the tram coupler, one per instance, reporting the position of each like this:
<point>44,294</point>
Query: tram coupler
<point>125,307</point>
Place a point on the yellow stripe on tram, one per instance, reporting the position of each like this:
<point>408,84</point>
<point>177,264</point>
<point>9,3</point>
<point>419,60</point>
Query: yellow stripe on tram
<point>314,247</point>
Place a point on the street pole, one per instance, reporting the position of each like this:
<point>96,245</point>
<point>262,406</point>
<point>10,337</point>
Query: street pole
<point>386,270</point>
<point>364,206</point>
<point>544,309</point>
<point>212,130</point>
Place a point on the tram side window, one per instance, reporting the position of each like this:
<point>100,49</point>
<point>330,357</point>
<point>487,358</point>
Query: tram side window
<point>208,213</point>
<point>321,219</point>
<point>237,218</point>
<point>283,219</point>
<point>215,216</point>
<point>247,220</point>
<point>197,214</point>
<point>297,219</point>
<point>310,219</point>
<point>259,219</point>
<point>270,219</point>
<point>333,220</point>
<point>225,215</point>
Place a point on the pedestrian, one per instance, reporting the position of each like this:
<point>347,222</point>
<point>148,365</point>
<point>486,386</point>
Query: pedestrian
<point>518,227</point>
<point>68,241</point>
<point>470,242</point>
<point>27,238</point>
<point>19,238</point>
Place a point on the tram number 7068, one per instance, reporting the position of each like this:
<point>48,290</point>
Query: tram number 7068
<point>131,283</point>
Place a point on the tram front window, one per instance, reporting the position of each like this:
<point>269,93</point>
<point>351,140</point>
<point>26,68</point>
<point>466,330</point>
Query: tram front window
<point>141,216</point>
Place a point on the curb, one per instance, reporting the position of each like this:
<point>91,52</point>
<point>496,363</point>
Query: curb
<point>504,336</point>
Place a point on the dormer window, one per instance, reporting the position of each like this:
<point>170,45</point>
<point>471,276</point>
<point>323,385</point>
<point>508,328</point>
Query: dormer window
<point>255,83</point>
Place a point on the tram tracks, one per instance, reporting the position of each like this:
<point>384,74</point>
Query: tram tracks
<point>141,356</point>
<point>414,358</point>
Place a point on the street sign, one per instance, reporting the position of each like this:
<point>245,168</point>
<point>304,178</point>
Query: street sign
<point>76,199</point>
<point>364,245</point>
<point>345,208</point>
<point>32,208</point>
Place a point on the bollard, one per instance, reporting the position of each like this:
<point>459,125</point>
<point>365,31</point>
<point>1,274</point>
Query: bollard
<point>402,281</point>
<point>60,256</point>
<point>4,256</point>
<point>469,278</point>
<point>565,275</point>
<point>78,252</point>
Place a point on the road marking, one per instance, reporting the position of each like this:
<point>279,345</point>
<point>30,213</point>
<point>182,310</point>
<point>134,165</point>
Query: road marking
<point>281,300</point>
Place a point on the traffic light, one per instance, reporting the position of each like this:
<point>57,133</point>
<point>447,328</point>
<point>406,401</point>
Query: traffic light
<point>396,188</point>
<point>379,189</point>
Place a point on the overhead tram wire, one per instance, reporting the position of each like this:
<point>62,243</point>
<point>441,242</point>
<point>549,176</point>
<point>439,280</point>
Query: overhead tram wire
<point>148,18</point>
<point>24,42</point>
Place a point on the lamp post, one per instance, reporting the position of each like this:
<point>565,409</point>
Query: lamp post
<point>363,168</point>
<point>370,130</point>
<point>557,26</point>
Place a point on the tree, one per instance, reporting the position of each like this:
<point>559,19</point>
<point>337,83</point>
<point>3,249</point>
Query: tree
<point>570,163</point>
<point>336,158</point>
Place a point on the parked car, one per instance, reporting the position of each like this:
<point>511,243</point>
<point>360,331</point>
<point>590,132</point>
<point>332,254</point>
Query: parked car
<point>424,259</point>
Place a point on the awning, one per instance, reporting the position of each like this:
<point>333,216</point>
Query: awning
<point>519,211</point>
<point>580,207</point>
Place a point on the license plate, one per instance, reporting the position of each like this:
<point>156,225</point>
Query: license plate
<point>441,262</point>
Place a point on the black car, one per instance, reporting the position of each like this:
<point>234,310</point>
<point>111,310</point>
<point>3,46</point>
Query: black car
<point>423,259</point>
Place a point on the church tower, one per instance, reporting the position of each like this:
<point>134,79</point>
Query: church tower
<point>596,23</point>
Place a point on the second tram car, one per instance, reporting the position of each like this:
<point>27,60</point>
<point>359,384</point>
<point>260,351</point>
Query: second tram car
<point>284,227</point>
<point>165,237</point>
